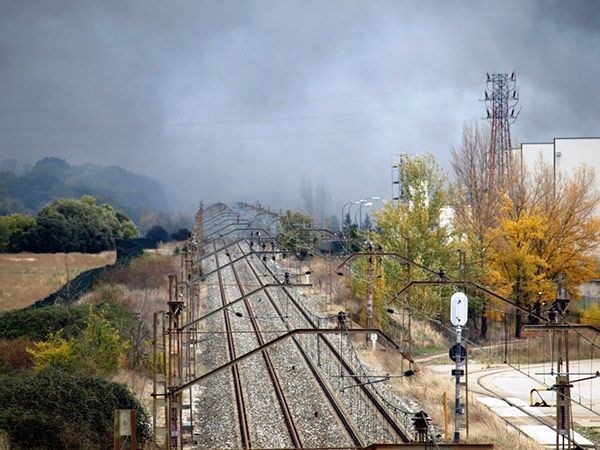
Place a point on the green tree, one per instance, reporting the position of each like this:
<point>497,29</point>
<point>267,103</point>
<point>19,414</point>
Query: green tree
<point>157,233</point>
<point>15,232</point>
<point>296,233</point>
<point>99,350</point>
<point>182,234</point>
<point>20,228</point>
<point>418,219</point>
<point>68,225</point>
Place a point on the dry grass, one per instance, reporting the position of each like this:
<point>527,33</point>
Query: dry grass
<point>28,277</point>
<point>428,388</point>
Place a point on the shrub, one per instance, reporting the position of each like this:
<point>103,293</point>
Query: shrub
<point>41,323</point>
<point>55,409</point>
<point>149,271</point>
<point>182,234</point>
<point>158,233</point>
<point>55,353</point>
<point>14,356</point>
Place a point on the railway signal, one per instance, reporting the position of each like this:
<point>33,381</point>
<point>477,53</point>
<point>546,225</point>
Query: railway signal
<point>459,307</point>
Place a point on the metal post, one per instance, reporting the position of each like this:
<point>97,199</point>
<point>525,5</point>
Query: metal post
<point>174,410</point>
<point>406,280</point>
<point>462,270</point>
<point>457,405</point>
<point>369,289</point>
<point>445,402</point>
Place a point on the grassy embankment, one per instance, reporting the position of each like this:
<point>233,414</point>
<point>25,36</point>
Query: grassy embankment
<point>28,277</point>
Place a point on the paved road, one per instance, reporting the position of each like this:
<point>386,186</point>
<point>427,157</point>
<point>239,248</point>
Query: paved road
<point>506,392</point>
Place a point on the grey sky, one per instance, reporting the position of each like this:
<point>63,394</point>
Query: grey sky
<point>240,100</point>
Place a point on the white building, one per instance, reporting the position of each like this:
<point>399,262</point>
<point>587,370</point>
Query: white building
<point>564,154</point>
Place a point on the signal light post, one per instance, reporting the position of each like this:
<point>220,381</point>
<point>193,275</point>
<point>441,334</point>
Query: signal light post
<point>459,307</point>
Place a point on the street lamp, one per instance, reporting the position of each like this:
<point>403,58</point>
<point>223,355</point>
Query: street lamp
<point>351,202</point>
<point>350,210</point>
<point>367,204</point>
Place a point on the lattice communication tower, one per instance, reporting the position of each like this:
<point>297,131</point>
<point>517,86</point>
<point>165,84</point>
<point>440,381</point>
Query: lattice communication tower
<point>501,99</point>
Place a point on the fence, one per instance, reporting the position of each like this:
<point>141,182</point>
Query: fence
<point>82,283</point>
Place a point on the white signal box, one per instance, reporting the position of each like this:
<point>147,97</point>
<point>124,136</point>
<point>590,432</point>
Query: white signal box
<point>459,309</point>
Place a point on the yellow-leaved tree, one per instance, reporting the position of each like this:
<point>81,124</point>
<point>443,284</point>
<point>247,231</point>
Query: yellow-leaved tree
<point>547,226</point>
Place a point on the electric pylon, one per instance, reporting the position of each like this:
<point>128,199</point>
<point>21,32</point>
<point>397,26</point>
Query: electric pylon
<point>398,179</point>
<point>501,99</point>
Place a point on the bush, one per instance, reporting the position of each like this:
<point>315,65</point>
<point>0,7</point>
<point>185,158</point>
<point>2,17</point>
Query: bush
<point>41,323</point>
<point>158,233</point>
<point>54,409</point>
<point>182,234</point>
<point>99,350</point>
<point>149,271</point>
<point>68,225</point>
<point>14,356</point>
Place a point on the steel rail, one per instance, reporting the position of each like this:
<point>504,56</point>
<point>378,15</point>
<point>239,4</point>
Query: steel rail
<point>382,410</point>
<point>345,421</point>
<point>239,394</point>
<point>237,300</point>
<point>287,415</point>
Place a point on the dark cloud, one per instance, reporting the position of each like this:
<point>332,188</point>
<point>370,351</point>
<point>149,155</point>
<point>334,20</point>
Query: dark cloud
<point>240,100</point>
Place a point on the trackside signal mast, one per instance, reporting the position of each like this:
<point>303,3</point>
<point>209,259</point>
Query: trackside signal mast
<point>459,308</point>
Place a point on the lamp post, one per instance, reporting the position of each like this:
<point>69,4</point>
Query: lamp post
<point>343,217</point>
<point>350,210</point>
<point>367,204</point>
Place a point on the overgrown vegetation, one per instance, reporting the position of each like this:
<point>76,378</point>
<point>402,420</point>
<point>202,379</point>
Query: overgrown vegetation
<point>55,388</point>
<point>295,233</point>
<point>66,225</point>
<point>57,409</point>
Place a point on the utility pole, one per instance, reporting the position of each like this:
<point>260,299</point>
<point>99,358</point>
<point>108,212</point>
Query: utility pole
<point>174,366</point>
<point>462,270</point>
<point>159,380</point>
<point>564,435</point>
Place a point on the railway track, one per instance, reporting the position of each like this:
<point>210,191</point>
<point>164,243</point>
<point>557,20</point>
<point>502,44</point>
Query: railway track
<point>291,426</point>
<point>239,395</point>
<point>549,423</point>
<point>325,389</point>
<point>398,431</point>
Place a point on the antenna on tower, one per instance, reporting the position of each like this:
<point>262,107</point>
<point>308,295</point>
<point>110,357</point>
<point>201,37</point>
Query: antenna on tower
<point>501,99</point>
<point>398,179</point>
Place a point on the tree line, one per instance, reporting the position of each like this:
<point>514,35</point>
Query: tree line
<point>520,233</point>
<point>66,225</point>
<point>29,189</point>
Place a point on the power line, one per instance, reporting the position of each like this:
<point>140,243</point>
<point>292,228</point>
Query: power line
<point>240,139</point>
<point>228,122</point>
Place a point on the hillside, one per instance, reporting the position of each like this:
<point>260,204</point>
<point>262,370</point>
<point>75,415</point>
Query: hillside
<point>52,178</point>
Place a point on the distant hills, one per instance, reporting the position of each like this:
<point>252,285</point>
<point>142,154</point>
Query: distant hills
<point>50,178</point>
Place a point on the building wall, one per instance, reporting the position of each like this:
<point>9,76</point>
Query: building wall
<point>568,153</point>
